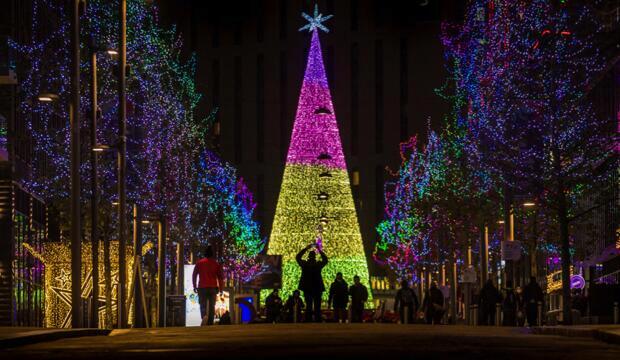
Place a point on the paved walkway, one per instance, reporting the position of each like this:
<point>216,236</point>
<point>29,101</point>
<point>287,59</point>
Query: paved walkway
<point>607,333</point>
<point>321,341</point>
<point>19,336</point>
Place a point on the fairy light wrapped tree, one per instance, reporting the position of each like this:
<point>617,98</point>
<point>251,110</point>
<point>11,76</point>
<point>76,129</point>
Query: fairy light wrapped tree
<point>315,196</point>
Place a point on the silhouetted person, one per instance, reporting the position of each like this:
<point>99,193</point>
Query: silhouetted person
<point>311,281</point>
<point>273,306</point>
<point>433,305</point>
<point>489,297</point>
<point>532,294</point>
<point>359,296</point>
<point>509,306</point>
<point>339,297</point>
<point>406,301</point>
<point>293,306</point>
<point>211,280</point>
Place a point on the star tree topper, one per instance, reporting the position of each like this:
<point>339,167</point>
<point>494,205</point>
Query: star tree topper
<point>316,21</point>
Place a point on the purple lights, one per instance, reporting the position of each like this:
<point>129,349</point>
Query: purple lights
<point>315,131</point>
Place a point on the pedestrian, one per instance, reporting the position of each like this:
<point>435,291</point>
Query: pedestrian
<point>339,298</point>
<point>210,281</point>
<point>520,306</point>
<point>406,303</point>
<point>359,296</point>
<point>273,306</point>
<point>489,298</point>
<point>509,306</point>
<point>433,305</point>
<point>311,281</point>
<point>579,302</point>
<point>293,307</point>
<point>532,294</point>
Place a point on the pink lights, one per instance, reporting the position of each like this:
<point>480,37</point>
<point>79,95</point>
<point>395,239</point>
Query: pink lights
<point>315,132</point>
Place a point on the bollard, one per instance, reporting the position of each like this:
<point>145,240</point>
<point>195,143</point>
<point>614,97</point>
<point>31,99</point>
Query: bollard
<point>539,314</point>
<point>295,307</point>
<point>616,313</point>
<point>498,314</point>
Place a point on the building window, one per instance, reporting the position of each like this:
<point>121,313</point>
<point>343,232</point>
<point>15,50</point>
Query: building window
<point>379,96</point>
<point>238,35</point>
<point>260,24</point>
<point>215,39</point>
<point>355,178</point>
<point>215,79</point>
<point>379,170</point>
<point>260,108</point>
<point>215,90</point>
<point>404,90</point>
<point>237,110</point>
<point>283,18</point>
<point>260,198</point>
<point>283,102</point>
<point>354,15</point>
<point>331,9</point>
<point>354,98</point>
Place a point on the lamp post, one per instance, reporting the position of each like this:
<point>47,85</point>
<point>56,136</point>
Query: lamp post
<point>137,251</point>
<point>74,113</point>
<point>94,235</point>
<point>122,107</point>
<point>94,200</point>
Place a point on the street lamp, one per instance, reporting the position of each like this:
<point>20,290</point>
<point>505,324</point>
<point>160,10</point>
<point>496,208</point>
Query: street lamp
<point>113,53</point>
<point>47,97</point>
<point>529,204</point>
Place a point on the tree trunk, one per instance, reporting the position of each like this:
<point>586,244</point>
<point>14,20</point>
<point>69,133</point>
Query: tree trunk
<point>565,253</point>
<point>108,277</point>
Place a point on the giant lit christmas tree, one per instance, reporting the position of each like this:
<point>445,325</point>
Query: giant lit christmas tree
<point>315,202</point>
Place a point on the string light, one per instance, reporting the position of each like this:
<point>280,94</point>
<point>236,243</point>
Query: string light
<point>316,187</point>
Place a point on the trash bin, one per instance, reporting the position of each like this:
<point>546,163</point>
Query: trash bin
<point>175,312</point>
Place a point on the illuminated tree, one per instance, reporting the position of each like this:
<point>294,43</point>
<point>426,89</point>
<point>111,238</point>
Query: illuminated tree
<point>315,187</point>
<point>225,208</point>
<point>526,69</point>
<point>405,234</point>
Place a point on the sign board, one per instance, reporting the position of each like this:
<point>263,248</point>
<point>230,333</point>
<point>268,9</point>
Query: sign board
<point>270,274</point>
<point>469,275</point>
<point>511,250</point>
<point>577,282</point>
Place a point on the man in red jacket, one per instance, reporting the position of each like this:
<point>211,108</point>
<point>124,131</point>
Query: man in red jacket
<point>211,281</point>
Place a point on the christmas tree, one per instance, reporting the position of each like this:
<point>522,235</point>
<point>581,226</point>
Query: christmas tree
<point>315,202</point>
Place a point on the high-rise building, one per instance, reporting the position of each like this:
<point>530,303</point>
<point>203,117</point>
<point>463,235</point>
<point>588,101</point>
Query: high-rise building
<point>383,61</point>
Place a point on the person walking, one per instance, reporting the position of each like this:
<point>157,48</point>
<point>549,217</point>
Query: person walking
<point>339,297</point>
<point>433,305</point>
<point>489,298</point>
<point>359,296</point>
<point>532,294</point>
<point>210,281</point>
<point>273,306</point>
<point>406,303</point>
<point>293,307</point>
<point>510,306</point>
<point>311,281</point>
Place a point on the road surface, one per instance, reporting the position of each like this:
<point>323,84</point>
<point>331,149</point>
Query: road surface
<point>320,341</point>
